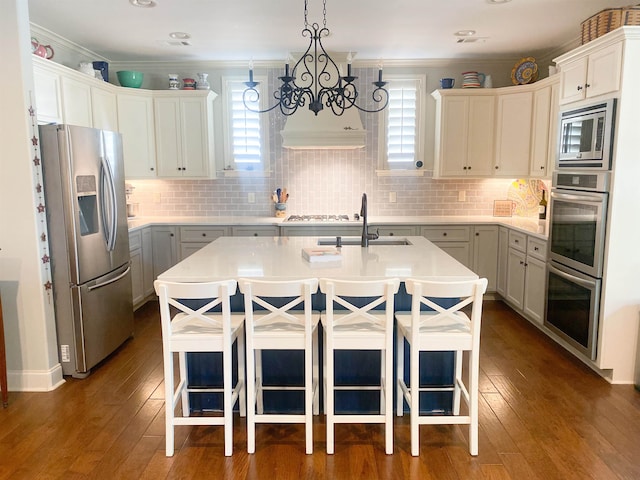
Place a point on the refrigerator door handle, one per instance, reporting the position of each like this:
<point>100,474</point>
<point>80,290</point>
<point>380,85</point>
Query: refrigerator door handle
<point>109,215</point>
<point>112,280</point>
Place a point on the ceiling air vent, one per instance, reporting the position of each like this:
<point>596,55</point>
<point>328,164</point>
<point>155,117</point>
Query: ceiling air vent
<point>178,43</point>
<point>471,40</point>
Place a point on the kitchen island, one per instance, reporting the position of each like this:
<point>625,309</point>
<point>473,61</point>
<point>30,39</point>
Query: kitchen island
<point>280,258</point>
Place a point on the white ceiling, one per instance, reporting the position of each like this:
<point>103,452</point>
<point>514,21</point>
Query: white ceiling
<point>269,29</point>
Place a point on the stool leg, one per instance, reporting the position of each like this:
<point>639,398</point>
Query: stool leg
<point>316,374</point>
<point>329,399</point>
<point>259,394</point>
<point>186,408</point>
<point>251,400</point>
<point>308,396</point>
<point>168,401</point>
<point>399,371</point>
<point>474,373</point>
<point>388,396</point>
<point>414,369</point>
<point>456,382</point>
<point>242,381</point>
<point>227,387</point>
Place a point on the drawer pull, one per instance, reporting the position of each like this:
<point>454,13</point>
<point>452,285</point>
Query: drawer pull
<point>204,234</point>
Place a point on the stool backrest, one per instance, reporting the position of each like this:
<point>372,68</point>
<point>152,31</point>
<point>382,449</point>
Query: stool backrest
<point>184,296</point>
<point>341,292</point>
<point>461,294</point>
<point>262,293</point>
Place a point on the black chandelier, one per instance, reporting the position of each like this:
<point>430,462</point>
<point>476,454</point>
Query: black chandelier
<point>320,82</point>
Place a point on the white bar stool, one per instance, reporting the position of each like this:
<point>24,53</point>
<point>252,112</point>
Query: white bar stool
<point>359,328</point>
<point>442,329</point>
<point>280,328</point>
<point>195,329</point>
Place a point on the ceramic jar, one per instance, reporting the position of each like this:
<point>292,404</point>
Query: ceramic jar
<point>174,82</point>
<point>202,83</point>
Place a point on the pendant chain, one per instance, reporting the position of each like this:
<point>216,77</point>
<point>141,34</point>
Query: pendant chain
<point>324,13</point>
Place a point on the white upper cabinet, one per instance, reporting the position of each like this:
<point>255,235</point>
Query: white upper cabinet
<point>104,108</point>
<point>513,134</point>
<point>544,132</point>
<point>47,92</point>
<point>136,124</point>
<point>76,102</point>
<point>464,133</point>
<point>184,134</point>
<point>588,72</point>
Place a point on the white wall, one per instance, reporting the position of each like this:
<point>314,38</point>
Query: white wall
<point>32,357</point>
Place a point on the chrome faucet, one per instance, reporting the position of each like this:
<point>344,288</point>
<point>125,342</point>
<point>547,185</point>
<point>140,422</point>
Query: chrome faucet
<point>366,236</point>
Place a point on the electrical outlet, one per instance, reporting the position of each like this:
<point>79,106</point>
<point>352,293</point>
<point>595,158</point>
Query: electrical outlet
<point>64,353</point>
<point>251,197</point>
<point>462,196</point>
<point>392,197</point>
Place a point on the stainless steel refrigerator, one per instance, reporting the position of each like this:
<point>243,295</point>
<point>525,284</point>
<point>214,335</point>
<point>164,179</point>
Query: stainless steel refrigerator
<point>89,243</point>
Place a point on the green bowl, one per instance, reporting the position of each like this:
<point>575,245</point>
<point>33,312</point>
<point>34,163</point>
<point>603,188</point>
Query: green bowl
<point>129,78</point>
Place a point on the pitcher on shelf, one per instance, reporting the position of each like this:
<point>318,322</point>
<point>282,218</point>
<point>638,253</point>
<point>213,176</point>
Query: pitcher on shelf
<point>44,51</point>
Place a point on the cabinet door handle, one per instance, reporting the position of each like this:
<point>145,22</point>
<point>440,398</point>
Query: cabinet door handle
<point>152,169</point>
<point>171,234</point>
<point>444,234</point>
<point>464,168</point>
<point>579,87</point>
<point>536,248</point>
<point>521,262</point>
<point>587,85</point>
<point>496,167</point>
<point>477,234</point>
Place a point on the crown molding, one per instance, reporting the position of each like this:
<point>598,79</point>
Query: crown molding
<point>41,32</point>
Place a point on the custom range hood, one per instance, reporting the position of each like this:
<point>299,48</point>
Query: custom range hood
<point>304,130</point>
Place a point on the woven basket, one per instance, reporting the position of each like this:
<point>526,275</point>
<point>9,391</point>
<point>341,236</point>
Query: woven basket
<point>608,20</point>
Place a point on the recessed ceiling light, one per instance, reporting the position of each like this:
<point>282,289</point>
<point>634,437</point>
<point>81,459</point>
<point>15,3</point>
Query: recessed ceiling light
<point>465,33</point>
<point>497,2</point>
<point>180,35</point>
<point>143,3</point>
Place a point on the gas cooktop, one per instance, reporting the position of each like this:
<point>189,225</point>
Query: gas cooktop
<point>317,218</point>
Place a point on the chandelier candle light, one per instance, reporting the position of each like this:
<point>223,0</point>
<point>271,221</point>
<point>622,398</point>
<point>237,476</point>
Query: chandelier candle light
<point>325,86</point>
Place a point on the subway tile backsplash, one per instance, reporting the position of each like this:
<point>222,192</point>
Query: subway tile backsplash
<point>322,186</point>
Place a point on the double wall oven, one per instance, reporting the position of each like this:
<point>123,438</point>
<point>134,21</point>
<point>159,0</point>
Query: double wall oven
<point>576,256</point>
<point>578,223</point>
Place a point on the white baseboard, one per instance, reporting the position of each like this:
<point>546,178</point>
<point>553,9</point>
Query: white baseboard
<point>35,380</point>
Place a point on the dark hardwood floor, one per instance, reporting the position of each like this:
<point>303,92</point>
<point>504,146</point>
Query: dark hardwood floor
<point>543,415</point>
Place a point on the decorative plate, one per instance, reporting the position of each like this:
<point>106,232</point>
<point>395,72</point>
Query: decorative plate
<point>525,71</point>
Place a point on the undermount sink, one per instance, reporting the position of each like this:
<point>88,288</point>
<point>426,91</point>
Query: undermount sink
<point>346,241</point>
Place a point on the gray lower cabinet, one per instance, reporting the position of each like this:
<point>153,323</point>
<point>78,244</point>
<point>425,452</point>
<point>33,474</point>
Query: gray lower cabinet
<point>503,252</point>
<point>142,273</point>
<point>526,275</point>
<point>485,253</point>
<point>453,239</point>
<point>165,248</point>
<point>394,230</point>
<point>193,238</point>
<point>321,230</point>
<point>255,231</point>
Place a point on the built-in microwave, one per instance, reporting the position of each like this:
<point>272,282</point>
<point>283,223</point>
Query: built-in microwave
<point>586,136</point>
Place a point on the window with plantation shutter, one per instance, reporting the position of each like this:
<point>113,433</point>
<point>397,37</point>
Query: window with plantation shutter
<point>245,136</point>
<point>400,135</point>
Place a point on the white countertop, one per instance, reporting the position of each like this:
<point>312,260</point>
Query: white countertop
<point>526,225</point>
<point>281,258</point>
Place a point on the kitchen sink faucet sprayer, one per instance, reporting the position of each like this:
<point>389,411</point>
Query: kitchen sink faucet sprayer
<point>366,236</point>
